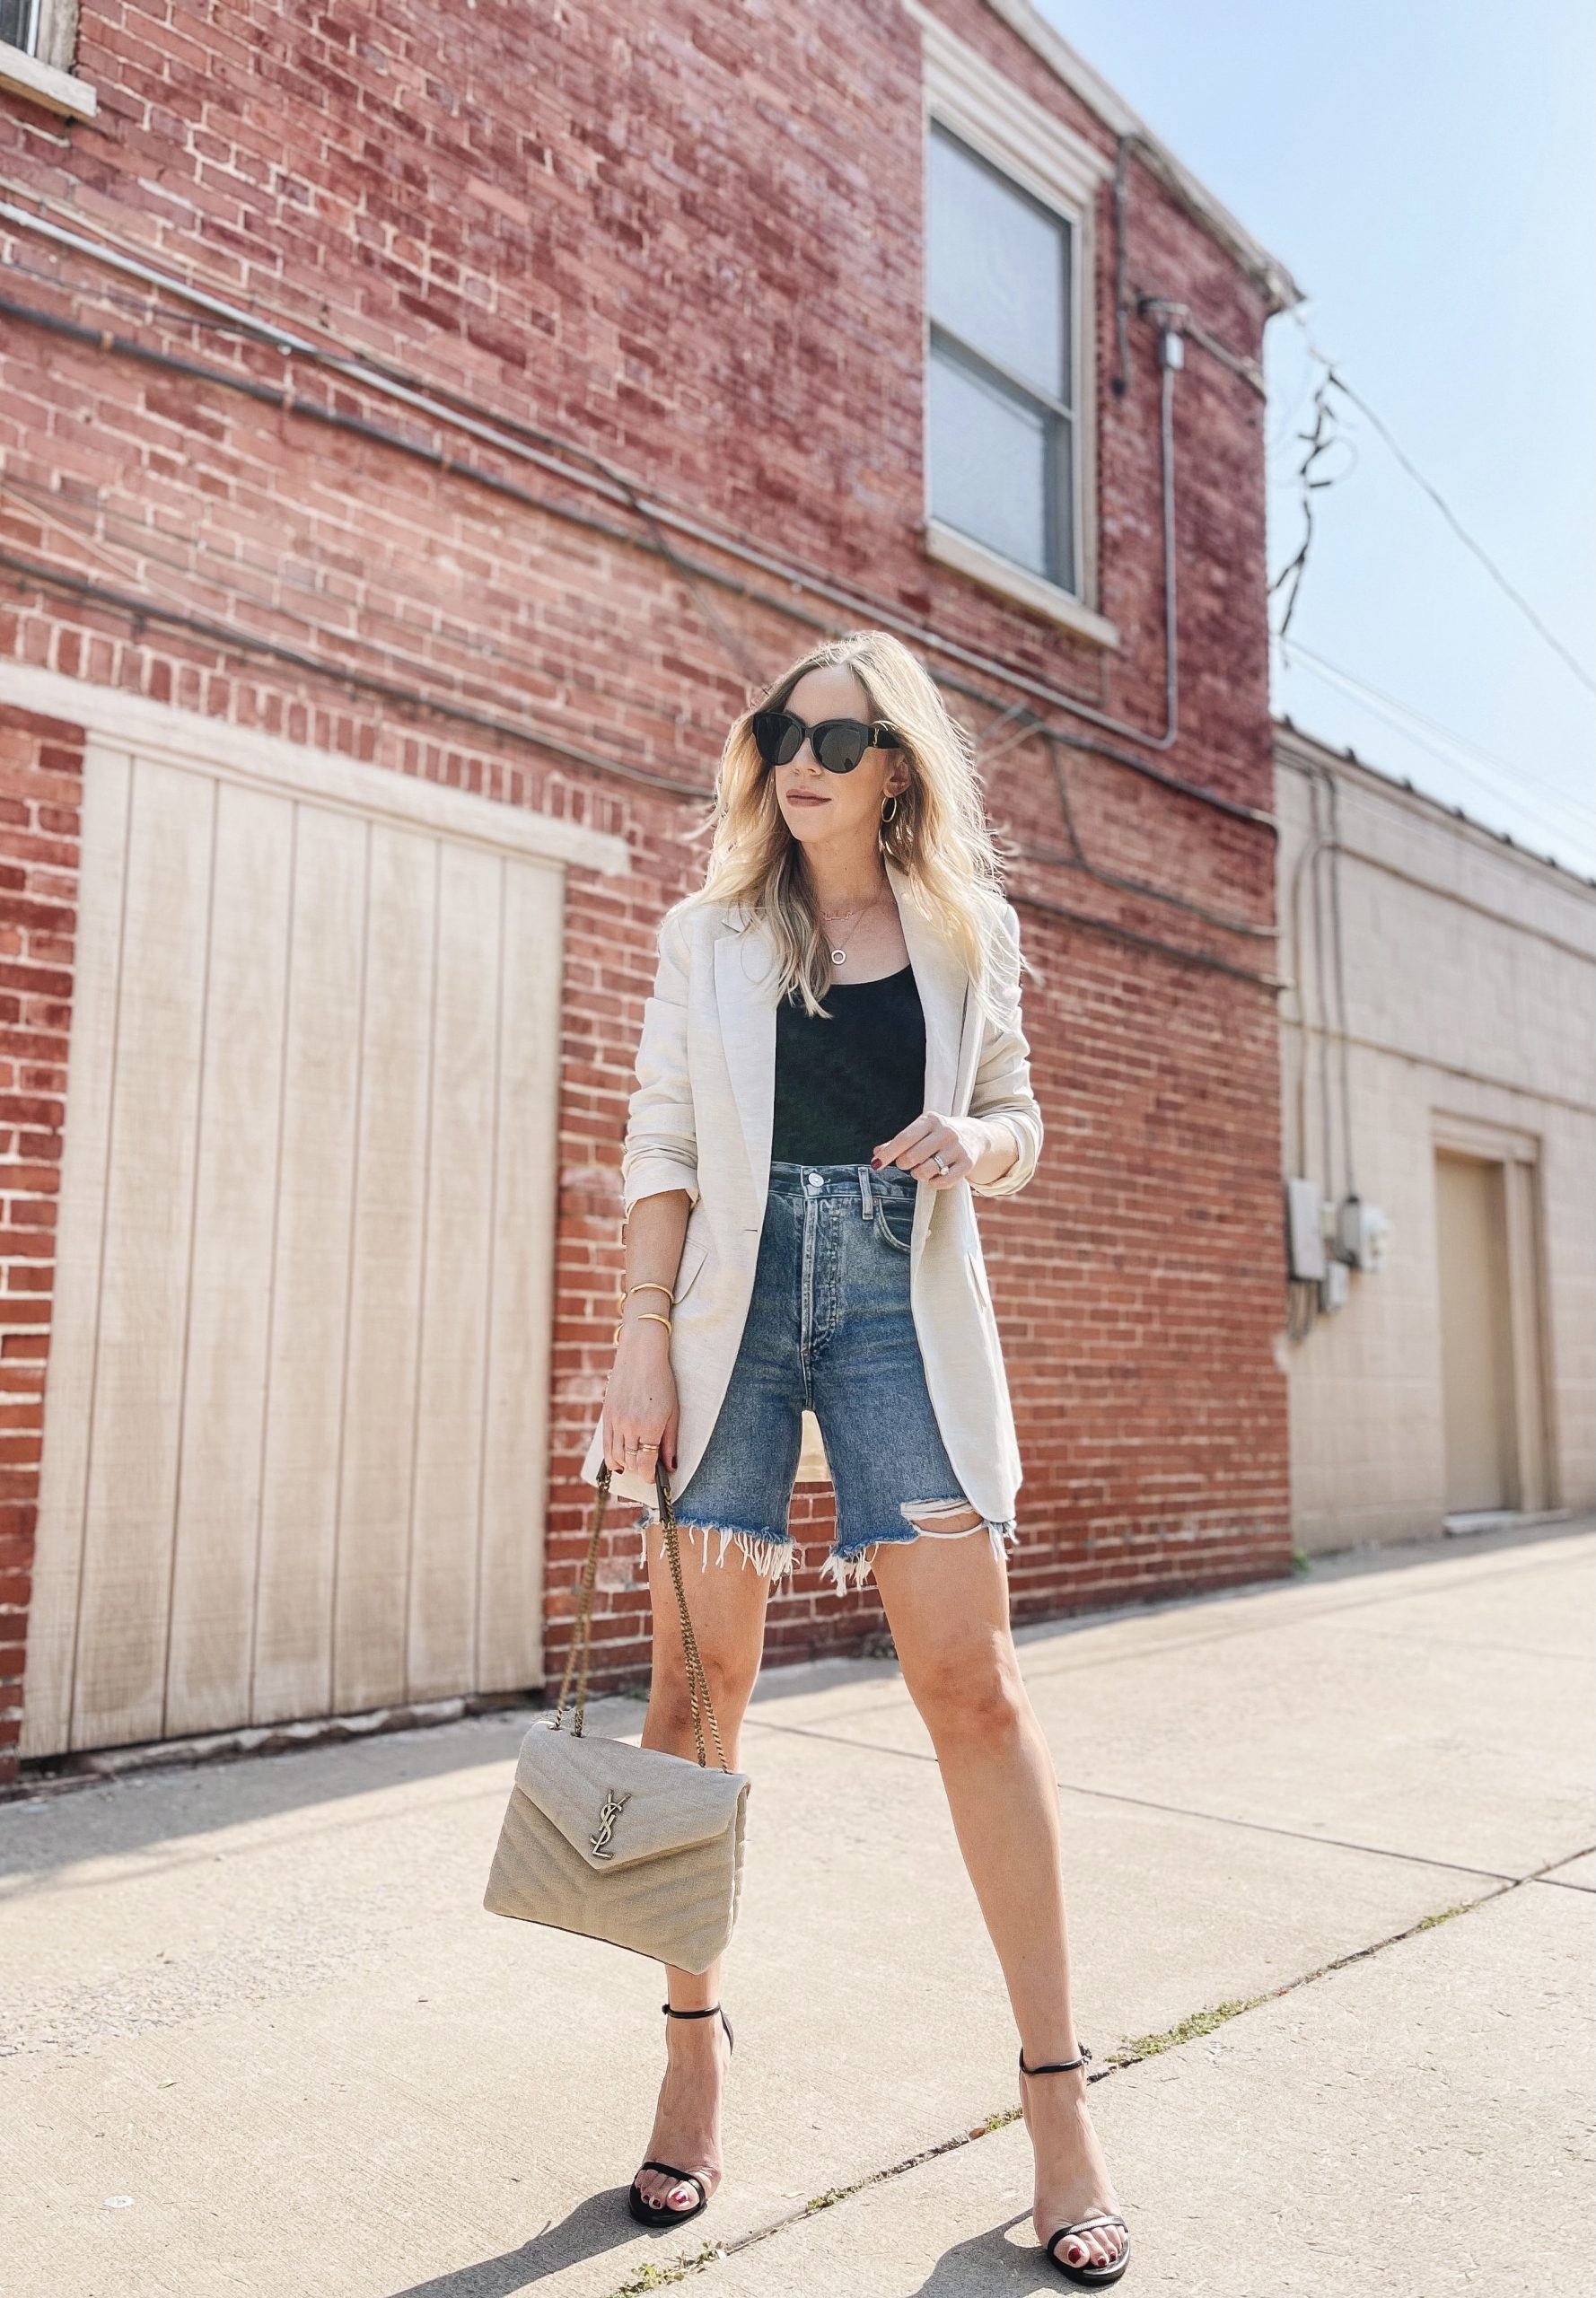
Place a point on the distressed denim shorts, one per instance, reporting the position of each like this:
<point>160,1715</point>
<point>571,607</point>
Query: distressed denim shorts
<point>830,1328</point>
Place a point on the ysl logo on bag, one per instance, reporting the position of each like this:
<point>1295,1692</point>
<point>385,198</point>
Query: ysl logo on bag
<point>614,1806</point>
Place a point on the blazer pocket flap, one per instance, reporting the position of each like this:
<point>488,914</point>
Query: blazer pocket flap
<point>617,1804</point>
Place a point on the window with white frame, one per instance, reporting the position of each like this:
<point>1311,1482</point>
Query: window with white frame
<point>18,24</point>
<point>1001,267</point>
<point>1011,197</point>
<point>37,43</point>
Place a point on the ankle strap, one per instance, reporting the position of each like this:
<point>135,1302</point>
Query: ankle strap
<point>670,2013</point>
<point>1057,2066</point>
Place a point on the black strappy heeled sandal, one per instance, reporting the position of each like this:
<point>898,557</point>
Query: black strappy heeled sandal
<point>644,2209</point>
<point>1084,2278</point>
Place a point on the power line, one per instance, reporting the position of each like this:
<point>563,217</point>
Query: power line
<point>1514,773</point>
<point>1319,441</point>
<point>1334,378</point>
<point>1467,540</point>
<point>1507,783</point>
<point>1547,825</point>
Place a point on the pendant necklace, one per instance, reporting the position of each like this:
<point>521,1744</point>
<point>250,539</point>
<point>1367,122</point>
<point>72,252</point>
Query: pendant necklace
<point>840,957</point>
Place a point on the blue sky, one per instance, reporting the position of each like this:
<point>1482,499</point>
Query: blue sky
<point>1425,174</point>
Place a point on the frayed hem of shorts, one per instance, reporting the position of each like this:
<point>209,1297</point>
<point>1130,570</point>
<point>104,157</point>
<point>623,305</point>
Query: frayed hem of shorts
<point>855,1567</point>
<point>769,1556</point>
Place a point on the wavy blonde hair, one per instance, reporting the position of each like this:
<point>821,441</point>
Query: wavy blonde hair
<point>938,836</point>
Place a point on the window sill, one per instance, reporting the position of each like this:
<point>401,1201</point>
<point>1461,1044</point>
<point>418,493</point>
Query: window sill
<point>986,566</point>
<point>21,75</point>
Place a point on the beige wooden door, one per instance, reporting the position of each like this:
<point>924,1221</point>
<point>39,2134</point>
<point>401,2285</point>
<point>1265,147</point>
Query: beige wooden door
<point>1476,1334</point>
<point>295,1442</point>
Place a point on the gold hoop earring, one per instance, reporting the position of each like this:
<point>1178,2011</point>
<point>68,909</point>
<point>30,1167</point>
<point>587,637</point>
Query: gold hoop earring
<point>892,817</point>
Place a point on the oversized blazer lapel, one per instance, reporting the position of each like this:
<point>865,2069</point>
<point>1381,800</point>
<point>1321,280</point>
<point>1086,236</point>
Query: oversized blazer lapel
<point>745,996</point>
<point>745,1002</point>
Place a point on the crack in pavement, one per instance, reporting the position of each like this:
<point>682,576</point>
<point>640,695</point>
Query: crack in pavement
<point>1028,1634</point>
<point>1121,2062</point>
<point>1181,1811</point>
<point>1563,1882</point>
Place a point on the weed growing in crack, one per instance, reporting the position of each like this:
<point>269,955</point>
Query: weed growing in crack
<point>1199,2022</point>
<point>832,2194</point>
<point>656,2277</point>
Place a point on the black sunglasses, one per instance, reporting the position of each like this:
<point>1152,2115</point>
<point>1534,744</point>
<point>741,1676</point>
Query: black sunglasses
<point>838,743</point>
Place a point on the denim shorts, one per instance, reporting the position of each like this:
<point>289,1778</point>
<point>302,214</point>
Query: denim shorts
<point>829,1328</point>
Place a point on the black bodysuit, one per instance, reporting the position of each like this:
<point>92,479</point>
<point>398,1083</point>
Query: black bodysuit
<point>844,1085</point>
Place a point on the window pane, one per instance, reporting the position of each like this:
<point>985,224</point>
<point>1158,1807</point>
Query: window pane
<point>996,464</point>
<point>997,268</point>
<point>16,23</point>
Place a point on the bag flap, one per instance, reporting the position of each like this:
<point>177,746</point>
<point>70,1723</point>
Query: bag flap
<point>616,1804</point>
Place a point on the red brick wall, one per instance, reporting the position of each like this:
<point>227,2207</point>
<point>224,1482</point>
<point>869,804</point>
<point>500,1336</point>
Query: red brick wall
<point>687,240</point>
<point>42,765</point>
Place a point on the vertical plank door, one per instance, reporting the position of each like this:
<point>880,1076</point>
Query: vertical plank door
<point>295,1447</point>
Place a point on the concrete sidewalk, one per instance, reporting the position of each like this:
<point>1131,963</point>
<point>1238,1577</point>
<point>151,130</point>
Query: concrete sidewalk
<point>1332,1890</point>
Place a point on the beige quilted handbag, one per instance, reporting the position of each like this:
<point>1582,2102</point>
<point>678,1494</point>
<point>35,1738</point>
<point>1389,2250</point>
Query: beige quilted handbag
<point>629,1845</point>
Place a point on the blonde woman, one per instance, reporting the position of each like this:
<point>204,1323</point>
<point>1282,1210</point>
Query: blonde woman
<point>831,1067</point>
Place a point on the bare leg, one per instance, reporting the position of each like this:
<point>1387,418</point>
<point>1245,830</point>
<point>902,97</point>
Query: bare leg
<point>947,1605</point>
<point>727,1601</point>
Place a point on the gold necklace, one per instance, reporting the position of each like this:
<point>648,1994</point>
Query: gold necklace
<point>840,957</point>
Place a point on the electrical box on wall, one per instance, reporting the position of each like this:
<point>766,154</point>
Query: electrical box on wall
<point>1380,1231</point>
<point>1361,1231</point>
<point>1334,1286</point>
<point>1304,1230</point>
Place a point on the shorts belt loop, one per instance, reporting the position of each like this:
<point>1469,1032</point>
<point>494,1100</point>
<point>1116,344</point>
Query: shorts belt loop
<point>864,1192</point>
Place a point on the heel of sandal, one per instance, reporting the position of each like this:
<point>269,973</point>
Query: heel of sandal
<point>644,2209</point>
<point>1082,2277</point>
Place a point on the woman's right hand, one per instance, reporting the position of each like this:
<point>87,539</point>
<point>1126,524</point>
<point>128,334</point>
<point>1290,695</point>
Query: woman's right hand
<point>640,1408</point>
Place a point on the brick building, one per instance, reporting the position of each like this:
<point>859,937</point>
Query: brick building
<point>420,432</point>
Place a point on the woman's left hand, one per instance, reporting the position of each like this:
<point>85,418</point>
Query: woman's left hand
<point>962,1143</point>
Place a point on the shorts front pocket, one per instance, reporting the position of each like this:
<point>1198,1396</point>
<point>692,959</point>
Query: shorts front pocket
<point>903,1213</point>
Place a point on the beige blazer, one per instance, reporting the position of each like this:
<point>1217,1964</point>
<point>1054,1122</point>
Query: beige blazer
<point>701,1119</point>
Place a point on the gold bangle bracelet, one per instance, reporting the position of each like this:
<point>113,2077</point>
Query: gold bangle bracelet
<point>644,1316</point>
<point>649,1284</point>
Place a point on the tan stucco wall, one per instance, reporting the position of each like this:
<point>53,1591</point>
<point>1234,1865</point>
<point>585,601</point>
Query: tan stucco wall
<point>1470,994</point>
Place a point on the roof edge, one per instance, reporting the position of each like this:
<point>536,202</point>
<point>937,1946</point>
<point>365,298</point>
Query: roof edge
<point>1094,92</point>
<point>1314,752</point>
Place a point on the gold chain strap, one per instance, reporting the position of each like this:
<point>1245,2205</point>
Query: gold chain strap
<point>576,1659</point>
